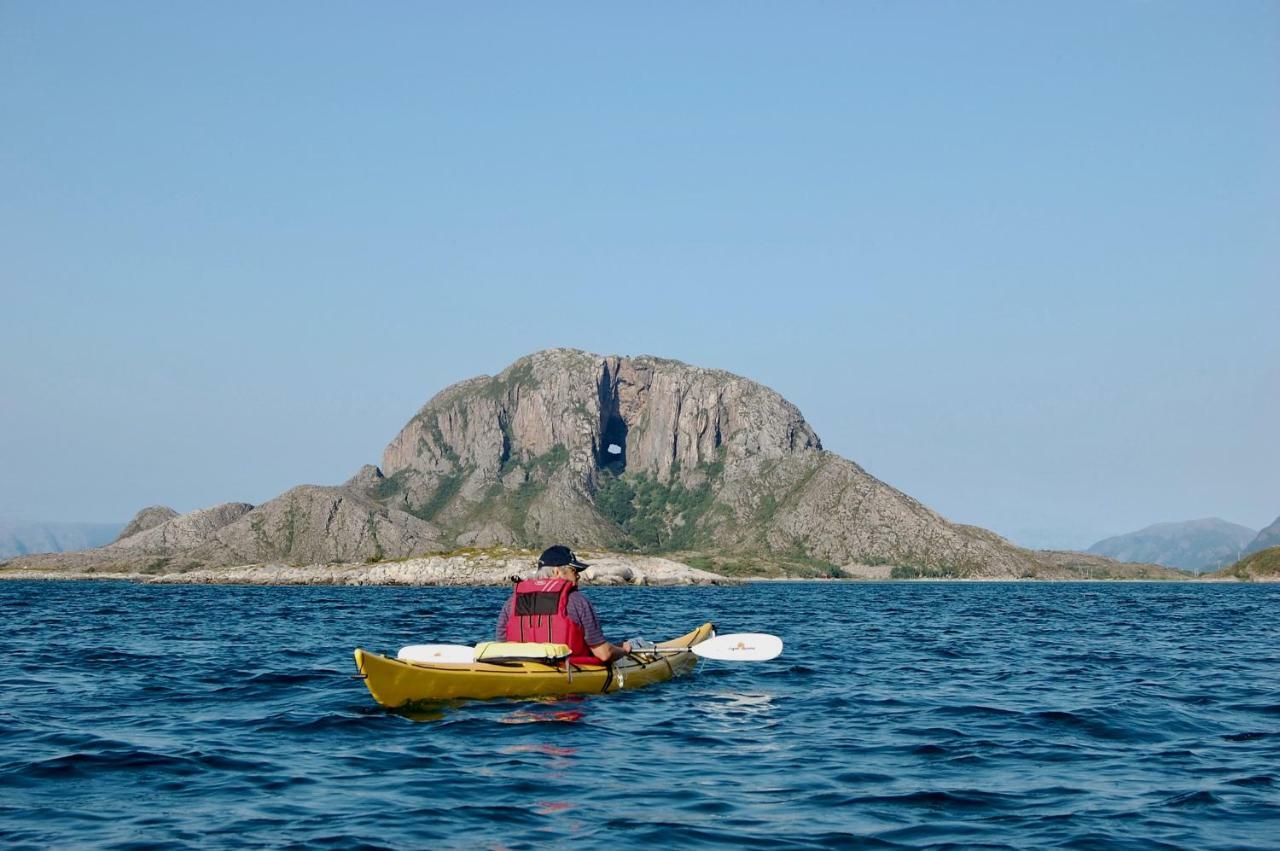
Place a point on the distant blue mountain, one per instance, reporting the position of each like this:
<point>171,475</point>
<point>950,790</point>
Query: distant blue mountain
<point>1197,545</point>
<point>1268,537</point>
<point>24,538</point>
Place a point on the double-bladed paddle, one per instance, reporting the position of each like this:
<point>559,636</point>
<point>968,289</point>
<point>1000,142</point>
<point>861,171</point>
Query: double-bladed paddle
<point>739,647</point>
<point>735,647</point>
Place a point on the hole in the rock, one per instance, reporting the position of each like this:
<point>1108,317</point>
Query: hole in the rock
<point>614,443</point>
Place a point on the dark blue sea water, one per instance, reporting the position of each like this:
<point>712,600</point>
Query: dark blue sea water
<point>901,715</point>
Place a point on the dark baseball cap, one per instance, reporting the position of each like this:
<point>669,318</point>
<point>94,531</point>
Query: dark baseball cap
<point>559,556</point>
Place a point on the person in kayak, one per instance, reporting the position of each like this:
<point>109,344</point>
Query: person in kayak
<point>551,608</point>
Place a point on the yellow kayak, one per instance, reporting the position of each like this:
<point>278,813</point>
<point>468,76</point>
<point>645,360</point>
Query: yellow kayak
<point>394,683</point>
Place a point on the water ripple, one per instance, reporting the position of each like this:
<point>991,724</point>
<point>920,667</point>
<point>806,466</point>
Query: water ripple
<point>902,715</point>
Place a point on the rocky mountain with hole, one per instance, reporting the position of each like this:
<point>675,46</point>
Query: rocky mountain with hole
<point>631,454</point>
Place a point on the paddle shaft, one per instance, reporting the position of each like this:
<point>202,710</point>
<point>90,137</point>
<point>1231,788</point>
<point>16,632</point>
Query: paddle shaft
<point>720,648</point>
<point>738,647</point>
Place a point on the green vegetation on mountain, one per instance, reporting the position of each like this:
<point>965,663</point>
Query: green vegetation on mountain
<point>446,489</point>
<point>656,517</point>
<point>1268,537</point>
<point>1262,565</point>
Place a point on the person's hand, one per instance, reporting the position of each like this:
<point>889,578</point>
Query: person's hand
<point>626,647</point>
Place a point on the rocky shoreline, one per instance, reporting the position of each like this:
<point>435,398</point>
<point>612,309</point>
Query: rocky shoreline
<point>437,571</point>
<point>481,569</point>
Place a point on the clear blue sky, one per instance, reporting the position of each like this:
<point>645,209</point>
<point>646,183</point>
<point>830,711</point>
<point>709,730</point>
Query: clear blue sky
<point>1020,260</point>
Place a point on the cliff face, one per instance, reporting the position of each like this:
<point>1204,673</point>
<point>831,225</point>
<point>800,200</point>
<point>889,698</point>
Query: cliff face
<point>665,418</point>
<point>632,453</point>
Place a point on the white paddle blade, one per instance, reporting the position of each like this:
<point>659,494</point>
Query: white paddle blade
<point>452,654</point>
<point>740,647</point>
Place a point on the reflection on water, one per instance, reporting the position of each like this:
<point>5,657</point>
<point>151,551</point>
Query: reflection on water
<point>731,706</point>
<point>549,750</point>
<point>1014,715</point>
<point>529,716</point>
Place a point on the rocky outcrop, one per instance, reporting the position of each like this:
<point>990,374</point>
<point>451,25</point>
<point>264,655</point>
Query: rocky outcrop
<point>831,510</point>
<point>146,518</point>
<point>311,524</point>
<point>306,525</point>
<point>183,532</point>
<point>665,418</point>
<point>479,568</point>
<point>1195,545</point>
<point>657,455</point>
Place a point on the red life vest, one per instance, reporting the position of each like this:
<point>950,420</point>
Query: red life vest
<point>540,612</point>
